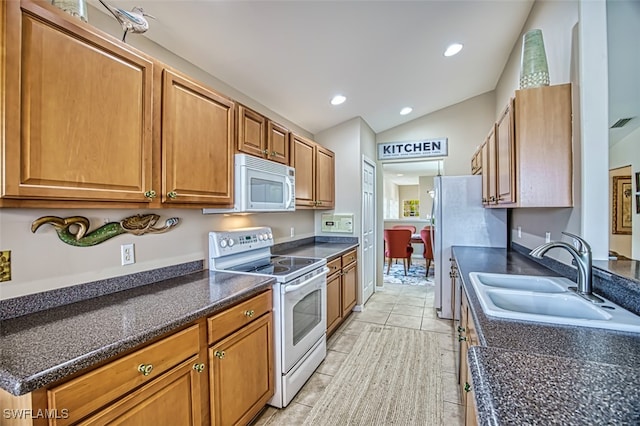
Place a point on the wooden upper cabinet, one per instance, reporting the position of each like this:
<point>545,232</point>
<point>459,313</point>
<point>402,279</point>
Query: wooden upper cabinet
<point>259,136</point>
<point>251,132</point>
<point>80,122</point>
<point>505,170</point>
<point>278,142</point>
<point>197,143</point>
<point>303,160</point>
<point>476,162</point>
<point>315,173</point>
<point>543,147</point>
<point>325,177</point>
<point>484,149</point>
<point>529,161</point>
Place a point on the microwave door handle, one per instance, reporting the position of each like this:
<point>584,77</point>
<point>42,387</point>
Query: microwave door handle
<point>289,192</point>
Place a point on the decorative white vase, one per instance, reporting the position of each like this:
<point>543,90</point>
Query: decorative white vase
<point>534,71</point>
<point>77,8</point>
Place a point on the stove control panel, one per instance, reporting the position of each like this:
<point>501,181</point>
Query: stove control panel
<point>223,243</point>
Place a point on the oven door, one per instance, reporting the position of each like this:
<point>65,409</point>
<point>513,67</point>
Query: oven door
<point>304,307</point>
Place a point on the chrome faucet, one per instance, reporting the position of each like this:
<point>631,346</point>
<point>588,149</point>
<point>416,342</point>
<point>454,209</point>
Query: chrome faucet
<point>582,257</point>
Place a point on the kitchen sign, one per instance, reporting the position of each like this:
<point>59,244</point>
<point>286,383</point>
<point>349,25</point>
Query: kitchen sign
<point>413,149</point>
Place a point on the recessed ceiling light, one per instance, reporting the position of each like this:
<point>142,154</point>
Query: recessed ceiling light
<point>405,110</point>
<point>399,175</point>
<point>453,49</point>
<point>338,99</point>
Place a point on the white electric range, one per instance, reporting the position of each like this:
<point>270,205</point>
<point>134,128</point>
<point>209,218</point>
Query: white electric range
<point>299,302</point>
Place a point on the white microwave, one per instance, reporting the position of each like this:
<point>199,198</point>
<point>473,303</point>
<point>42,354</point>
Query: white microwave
<point>261,186</point>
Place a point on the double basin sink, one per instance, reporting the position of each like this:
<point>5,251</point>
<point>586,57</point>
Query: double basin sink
<point>547,299</point>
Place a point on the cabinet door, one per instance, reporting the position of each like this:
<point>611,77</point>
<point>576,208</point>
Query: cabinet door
<point>251,132</point>
<point>303,159</point>
<point>197,143</point>
<point>505,178</point>
<point>492,170</point>
<point>471,418</point>
<point>325,178</point>
<point>278,142</point>
<point>334,304</point>
<point>349,288</point>
<point>175,395</point>
<point>485,173</point>
<point>241,378</point>
<point>80,122</point>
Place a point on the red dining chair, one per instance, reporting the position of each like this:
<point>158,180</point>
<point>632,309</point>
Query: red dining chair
<point>409,227</point>
<point>397,247</point>
<point>427,253</point>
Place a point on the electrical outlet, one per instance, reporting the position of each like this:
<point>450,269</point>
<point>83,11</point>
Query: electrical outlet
<point>5,265</point>
<point>547,237</point>
<point>293,231</point>
<point>519,232</point>
<point>127,255</point>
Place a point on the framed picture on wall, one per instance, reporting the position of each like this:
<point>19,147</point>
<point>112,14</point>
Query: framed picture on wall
<point>621,205</point>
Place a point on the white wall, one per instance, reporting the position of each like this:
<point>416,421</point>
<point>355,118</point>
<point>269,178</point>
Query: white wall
<point>574,54</point>
<point>465,124</point>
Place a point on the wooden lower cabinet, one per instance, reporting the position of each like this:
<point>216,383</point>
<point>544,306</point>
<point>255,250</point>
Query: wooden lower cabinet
<point>241,358</point>
<point>175,395</point>
<point>334,302</point>
<point>342,285</point>
<point>241,373</point>
<point>166,381</point>
<point>467,337</point>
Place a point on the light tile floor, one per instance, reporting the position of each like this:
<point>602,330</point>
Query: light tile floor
<point>396,305</point>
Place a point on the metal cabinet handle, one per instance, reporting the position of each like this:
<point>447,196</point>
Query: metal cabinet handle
<point>461,329</point>
<point>265,151</point>
<point>219,354</point>
<point>199,367</point>
<point>462,338</point>
<point>151,194</point>
<point>249,313</point>
<point>467,387</point>
<point>173,195</point>
<point>145,369</point>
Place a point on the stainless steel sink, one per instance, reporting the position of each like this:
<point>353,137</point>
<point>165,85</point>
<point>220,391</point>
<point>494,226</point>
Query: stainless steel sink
<point>549,300</point>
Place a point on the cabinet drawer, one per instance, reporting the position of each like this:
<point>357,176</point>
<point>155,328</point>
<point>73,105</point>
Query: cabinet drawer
<point>334,266</point>
<point>230,320</point>
<point>349,257</point>
<point>87,393</point>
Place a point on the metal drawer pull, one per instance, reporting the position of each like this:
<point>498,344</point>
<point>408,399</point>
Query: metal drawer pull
<point>249,313</point>
<point>462,339</point>
<point>467,387</point>
<point>198,367</point>
<point>461,329</point>
<point>145,369</point>
<point>150,194</point>
<point>219,354</point>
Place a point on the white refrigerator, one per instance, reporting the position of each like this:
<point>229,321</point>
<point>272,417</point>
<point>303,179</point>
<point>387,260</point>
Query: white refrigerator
<point>460,220</point>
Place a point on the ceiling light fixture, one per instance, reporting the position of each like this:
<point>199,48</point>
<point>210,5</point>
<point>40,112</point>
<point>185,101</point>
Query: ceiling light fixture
<point>406,110</point>
<point>338,99</point>
<point>453,49</point>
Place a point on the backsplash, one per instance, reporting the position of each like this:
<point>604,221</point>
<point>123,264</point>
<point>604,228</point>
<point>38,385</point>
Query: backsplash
<point>618,289</point>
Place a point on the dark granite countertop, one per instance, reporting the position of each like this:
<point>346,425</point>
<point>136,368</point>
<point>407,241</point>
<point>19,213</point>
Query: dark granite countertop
<point>329,250</point>
<point>541,350</point>
<point>517,388</point>
<point>46,346</point>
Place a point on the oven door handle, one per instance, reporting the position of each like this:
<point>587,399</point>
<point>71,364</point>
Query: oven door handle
<point>291,288</point>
